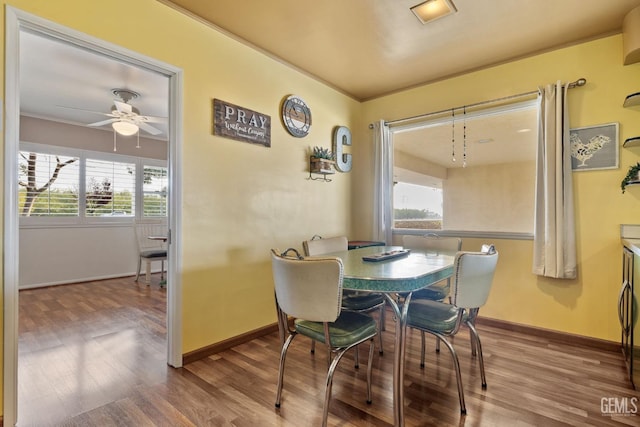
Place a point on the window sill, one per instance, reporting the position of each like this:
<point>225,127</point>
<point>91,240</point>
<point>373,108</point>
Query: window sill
<point>469,234</point>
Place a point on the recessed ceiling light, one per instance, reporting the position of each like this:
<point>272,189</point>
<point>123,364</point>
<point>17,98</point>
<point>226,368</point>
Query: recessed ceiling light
<point>523,130</point>
<point>485,140</point>
<point>433,9</point>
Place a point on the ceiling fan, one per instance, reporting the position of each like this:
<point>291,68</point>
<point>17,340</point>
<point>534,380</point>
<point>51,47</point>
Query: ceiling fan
<point>125,118</point>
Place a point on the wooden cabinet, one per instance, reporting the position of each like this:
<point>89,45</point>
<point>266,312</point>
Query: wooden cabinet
<point>628,313</point>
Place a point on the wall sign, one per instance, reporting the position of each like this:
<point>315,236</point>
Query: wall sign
<point>296,116</point>
<point>241,124</point>
<point>342,137</point>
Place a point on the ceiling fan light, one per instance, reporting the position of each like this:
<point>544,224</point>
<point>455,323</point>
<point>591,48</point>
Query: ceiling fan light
<point>124,128</point>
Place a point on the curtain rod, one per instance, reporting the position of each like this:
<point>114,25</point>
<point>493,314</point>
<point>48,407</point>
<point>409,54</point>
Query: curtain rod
<point>580,82</point>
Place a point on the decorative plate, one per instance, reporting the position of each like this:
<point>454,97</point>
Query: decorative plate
<point>296,116</point>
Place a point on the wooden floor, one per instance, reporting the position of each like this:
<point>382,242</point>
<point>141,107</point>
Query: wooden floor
<point>94,355</point>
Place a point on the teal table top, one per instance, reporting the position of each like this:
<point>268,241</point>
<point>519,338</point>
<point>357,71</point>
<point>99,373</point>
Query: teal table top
<point>408,273</point>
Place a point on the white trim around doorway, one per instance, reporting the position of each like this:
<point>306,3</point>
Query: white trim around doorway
<point>17,21</point>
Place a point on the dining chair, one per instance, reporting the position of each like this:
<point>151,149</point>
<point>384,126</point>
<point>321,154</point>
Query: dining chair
<point>432,242</point>
<point>359,302</point>
<point>472,278</point>
<point>310,291</point>
<point>151,247</point>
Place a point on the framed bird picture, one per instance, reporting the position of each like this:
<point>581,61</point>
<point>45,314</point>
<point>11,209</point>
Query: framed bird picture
<point>594,147</point>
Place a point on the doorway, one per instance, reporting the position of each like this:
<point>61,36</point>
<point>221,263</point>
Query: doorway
<point>17,24</point>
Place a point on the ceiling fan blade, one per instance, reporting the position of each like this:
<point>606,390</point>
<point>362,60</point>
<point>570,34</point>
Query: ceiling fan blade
<point>104,122</point>
<point>122,107</point>
<point>152,119</point>
<point>83,110</point>
<point>149,129</point>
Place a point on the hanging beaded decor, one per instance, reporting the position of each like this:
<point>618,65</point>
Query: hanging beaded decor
<point>464,136</point>
<point>453,135</point>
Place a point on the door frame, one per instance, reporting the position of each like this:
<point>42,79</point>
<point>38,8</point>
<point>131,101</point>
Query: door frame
<point>16,21</point>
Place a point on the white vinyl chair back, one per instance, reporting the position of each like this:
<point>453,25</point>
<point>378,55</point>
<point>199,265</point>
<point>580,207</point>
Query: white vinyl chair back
<point>309,289</point>
<point>432,242</point>
<point>320,246</point>
<point>146,230</point>
<point>472,278</point>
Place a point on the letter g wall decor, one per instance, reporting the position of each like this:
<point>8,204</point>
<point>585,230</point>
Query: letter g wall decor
<point>241,124</point>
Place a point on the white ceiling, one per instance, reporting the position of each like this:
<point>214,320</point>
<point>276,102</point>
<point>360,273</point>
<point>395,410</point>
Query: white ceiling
<point>55,75</point>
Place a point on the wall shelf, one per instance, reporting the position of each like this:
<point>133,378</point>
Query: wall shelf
<point>322,167</point>
<point>322,174</point>
<point>632,100</point>
<point>631,142</point>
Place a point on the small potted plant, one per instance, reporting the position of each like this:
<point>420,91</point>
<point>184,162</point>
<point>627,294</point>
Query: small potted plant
<point>632,176</point>
<point>321,160</point>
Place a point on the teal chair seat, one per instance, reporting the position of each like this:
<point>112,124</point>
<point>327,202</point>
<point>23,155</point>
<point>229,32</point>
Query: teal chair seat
<point>437,292</point>
<point>348,329</point>
<point>434,316</point>
<point>358,301</point>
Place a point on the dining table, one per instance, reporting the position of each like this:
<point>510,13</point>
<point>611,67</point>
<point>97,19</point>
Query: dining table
<point>396,273</point>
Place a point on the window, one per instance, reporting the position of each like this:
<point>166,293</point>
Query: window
<point>110,188</point>
<point>154,191</point>
<point>48,184</point>
<point>489,187</point>
<point>417,206</point>
<point>66,186</point>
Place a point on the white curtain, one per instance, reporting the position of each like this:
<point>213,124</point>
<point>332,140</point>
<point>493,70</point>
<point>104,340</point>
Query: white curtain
<point>383,182</point>
<point>554,243</point>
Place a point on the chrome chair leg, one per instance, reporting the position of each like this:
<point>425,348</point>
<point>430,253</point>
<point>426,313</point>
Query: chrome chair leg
<point>283,356</point>
<point>356,358</point>
<point>478,345</point>
<point>472,321</point>
<point>422,348</point>
<point>329,382</point>
<point>423,345</point>
<point>456,364</point>
<point>472,338</point>
<point>369,372</point>
<point>381,326</point>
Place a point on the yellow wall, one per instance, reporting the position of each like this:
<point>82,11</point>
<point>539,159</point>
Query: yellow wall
<point>239,199</point>
<point>587,305</point>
